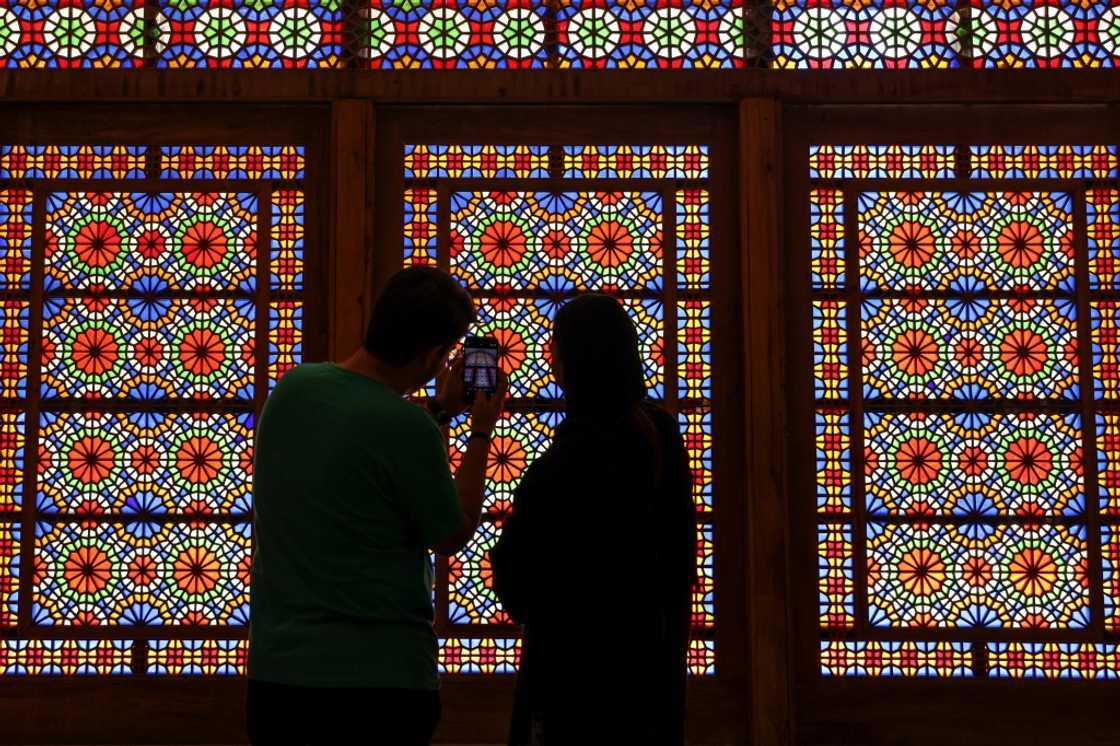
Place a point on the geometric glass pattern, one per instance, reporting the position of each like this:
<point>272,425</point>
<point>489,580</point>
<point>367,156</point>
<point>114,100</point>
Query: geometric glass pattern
<point>573,240</point>
<point>71,33</point>
<point>280,162</point>
<point>166,315</point>
<point>1053,660</point>
<point>885,34</point>
<point>969,349</point>
<point>145,463</point>
<point>98,347</point>
<point>142,573</point>
<point>1046,33</point>
<point>11,460</point>
<point>636,225</point>
<point>65,657</point>
<point>72,161</point>
<point>877,658</point>
<point>115,241</point>
<point>444,34</point>
<point>9,574</point>
<point>966,479</point>
<point>667,34</point>
<point>479,656</point>
<point>965,241</point>
<point>15,239</point>
<point>265,34</point>
<point>635,162</point>
<point>881,161</point>
<point>197,657</point>
<point>1044,162</point>
<point>535,34</point>
<point>475,161</point>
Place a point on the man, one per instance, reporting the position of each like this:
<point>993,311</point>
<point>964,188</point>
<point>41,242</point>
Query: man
<point>352,488</point>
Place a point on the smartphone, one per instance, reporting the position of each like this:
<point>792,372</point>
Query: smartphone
<point>480,365</point>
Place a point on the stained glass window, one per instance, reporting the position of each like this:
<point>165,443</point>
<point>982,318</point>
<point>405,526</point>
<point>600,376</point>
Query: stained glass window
<point>964,367</point>
<point>580,34</point>
<point>627,220</point>
<point>139,334</point>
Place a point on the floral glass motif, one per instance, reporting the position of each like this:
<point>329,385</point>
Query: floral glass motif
<point>656,34</point>
<point>72,33</point>
<point>523,248</point>
<point>1045,33</point>
<point>257,34</point>
<point>952,465</point>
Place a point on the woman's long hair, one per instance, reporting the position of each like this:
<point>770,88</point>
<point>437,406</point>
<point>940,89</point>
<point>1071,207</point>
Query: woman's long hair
<point>601,359</point>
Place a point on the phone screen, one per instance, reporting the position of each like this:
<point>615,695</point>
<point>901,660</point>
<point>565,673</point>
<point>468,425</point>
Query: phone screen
<point>480,364</point>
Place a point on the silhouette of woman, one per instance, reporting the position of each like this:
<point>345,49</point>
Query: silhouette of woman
<point>597,558</point>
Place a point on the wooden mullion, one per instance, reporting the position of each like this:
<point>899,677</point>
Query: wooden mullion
<point>1088,414</point>
<point>31,413</point>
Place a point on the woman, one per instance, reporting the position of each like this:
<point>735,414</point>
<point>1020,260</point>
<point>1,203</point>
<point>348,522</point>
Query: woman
<point>597,559</point>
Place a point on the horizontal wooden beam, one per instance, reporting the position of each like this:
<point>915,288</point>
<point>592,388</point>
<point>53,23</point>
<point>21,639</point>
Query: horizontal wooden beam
<point>565,86</point>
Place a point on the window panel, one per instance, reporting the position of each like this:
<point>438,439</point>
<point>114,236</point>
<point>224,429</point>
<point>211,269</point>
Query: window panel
<point>878,34</point>
<point>65,657</point>
<point>693,232</point>
<point>966,242</point>
<point>665,34</point>
<point>1052,660</point>
<point>13,347</point>
<point>834,461</point>
<point>145,463</point>
<point>835,576</point>
<point>1042,33</point>
<point>284,162</point>
<point>479,656</point>
<point>287,240</point>
<point>148,348</point>
<point>924,659</point>
<point>977,575</point>
<point>881,161</point>
<point>524,247</point>
<point>442,34</point>
<point>830,349</point>
<point>149,372</point>
<point>285,339</point>
<point>696,429</point>
<point>606,241</point>
<point>71,33</point>
<point>239,34</point>
<point>141,573</point>
<point>966,348</point>
<point>197,657</point>
<point>149,242</point>
<point>971,484</point>
<point>635,161</point>
<point>1043,161</point>
<point>475,161</point>
<point>15,239</point>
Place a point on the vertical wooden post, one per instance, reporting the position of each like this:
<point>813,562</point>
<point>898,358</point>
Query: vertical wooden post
<point>769,614</point>
<point>350,222</point>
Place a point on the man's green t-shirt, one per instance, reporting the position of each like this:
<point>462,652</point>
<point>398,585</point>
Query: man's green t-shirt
<point>351,485</point>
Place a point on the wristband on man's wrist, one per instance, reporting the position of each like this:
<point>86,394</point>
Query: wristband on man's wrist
<point>439,414</point>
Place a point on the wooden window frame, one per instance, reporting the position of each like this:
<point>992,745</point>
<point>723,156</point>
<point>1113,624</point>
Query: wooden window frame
<point>908,710</point>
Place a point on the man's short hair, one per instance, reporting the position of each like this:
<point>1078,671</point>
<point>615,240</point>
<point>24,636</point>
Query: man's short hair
<point>420,308</point>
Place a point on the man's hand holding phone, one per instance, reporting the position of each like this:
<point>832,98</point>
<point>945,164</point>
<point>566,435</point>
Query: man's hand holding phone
<point>451,392</point>
<point>487,407</point>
